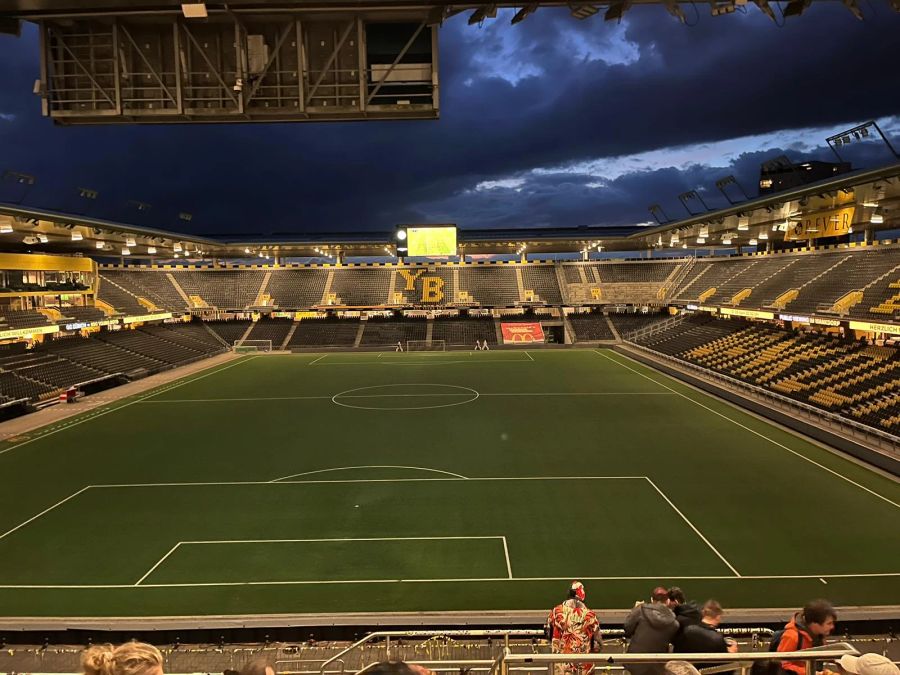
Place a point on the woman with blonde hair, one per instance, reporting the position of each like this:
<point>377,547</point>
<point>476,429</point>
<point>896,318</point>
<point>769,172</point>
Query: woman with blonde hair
<point>131,658</point>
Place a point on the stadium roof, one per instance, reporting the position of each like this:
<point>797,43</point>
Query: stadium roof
<point>870,199</point>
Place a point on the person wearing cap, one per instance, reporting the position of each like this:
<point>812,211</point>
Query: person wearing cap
<point>650,628</point>
<point>808,628</point>
<point>573,629</point>
<point>868,664</point>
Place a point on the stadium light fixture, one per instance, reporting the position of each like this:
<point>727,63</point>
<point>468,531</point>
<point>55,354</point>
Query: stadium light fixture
<point>246,250</point>
<point>126,251</point>
<point>763,235</point>
<point>43,238</point>
<point>99,245</point>
<point>77,236</point>
<point>130,242</point>
<point>743,223</point>
<point>726,241</point>
<point>877,218</point>
<point>177,247</point>
<point>194,10</point>
<point>401,235</point>
<point>151,250</point>
<point>753,242</point>
<point>701,240</point>
<point>524,12</point>
<point>6,228</point>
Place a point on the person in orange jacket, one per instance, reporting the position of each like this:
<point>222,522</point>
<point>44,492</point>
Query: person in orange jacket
<point>808,628</point>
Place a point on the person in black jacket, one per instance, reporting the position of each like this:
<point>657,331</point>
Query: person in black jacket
<point>704,636</point>
<point>687,613</point>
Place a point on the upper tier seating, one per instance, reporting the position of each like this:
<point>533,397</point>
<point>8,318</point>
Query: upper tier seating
<point>362,287</point>
<point>325,333</point>
<point>388,332</point>
<point>590,327</point>
<point>152,285</point>
<point>116,296</point>
<point>82,314</point>
<point>225,289</point>
<point>633,272</point>
<point>542,280</point>
<point>490,285</point>
<point>297,288</point>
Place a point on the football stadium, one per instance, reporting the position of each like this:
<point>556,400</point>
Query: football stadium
<point>344,451</point>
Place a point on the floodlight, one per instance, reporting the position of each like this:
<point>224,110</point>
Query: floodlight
<point>177,247</point>
<point>401,235</point>
<point>743,223</point>
<point>246,250</point>
<point>125,251</point>
<point>129,241</point>
<point>876,218</point>
<point>99,244</point>
<point>151,250</point>
<point>6,228</point>
<point>29,239</point>
<point>753,242</point>
<point>726,241</point>
<point>77,236</point>
<point>194,10</point>
<point>43,238</point>
<point>701,240</point>
<point>763,235</point>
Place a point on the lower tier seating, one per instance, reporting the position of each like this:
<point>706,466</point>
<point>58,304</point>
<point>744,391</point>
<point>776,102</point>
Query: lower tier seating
<point>590,327</point>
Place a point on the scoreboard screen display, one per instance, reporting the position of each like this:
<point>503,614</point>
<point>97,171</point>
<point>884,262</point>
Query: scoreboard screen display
<point>431,241</point>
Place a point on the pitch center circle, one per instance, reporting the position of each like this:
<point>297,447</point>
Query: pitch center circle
<point>405,396</point>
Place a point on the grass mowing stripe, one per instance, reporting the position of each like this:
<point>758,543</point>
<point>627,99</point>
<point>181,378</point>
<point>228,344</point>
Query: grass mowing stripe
<point>89,416</point>
<point>752,431</point>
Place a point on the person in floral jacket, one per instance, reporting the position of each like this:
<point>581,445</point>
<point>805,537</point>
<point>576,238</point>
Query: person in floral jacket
<point>573,629</point>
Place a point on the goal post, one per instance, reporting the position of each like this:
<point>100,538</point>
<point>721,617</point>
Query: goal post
<point>426,346</point>
<point>246,346</point>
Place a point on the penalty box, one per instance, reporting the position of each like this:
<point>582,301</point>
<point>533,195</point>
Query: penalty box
<point>353,531</point>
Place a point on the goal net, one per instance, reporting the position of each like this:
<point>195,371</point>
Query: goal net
<point>425,346</point>
<point>242,346</point>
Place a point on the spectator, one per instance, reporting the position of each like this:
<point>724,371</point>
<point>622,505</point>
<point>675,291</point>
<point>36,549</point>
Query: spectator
<point>704,636</point>
<point>398,668</point>
<point>686,613</point>
<point>868,664</point>
<point>808,628</point>
<point>680,668</point>
<point>131,658</point>
<point>260,666</point>
<point>574,629</point>
<point>650,627</point>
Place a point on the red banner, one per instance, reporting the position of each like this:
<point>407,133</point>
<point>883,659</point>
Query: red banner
<point>521,333</point>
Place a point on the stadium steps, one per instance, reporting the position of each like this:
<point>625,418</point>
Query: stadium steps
<point>820,275</point>
<point>259,301</point>
<point>613,329</point>
<point>290,334</point>
<point>215,334</point>
<point>561,281</point>
<point>359,335</point>
<point>888,298</point>
<point>180,290</point>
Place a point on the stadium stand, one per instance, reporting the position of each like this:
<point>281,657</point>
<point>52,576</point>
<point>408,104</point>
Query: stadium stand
<point>629,322</point>
<point>275,330</point>
<point>154,286</point>
<point>82,314</point>
<point>230,331</point>
<point>855,380</point>
<point>361,287</point>
<point>490,286</point>
<point>224,289</point>
<point>590,327</point>
<point>116,296</point>
<point>102,356</point>
<point>633,272</point>
<point>542,280</point>
<point>388,332</point>
<point>458,332</point>
<point>297,288</point>
<point>21,319</point>
<point>325,333</point>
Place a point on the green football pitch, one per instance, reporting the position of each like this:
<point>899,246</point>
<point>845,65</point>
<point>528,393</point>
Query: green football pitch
<point>365,482</point>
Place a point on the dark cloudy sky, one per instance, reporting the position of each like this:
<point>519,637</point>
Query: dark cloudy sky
<point>553,122</point>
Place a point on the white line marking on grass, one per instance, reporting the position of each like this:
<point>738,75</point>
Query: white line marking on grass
<point>158,563</point>
<point>506,553</point>
<point>823,581</point>
<point>529,356</point>
<point>694,528</point>
<point>160,390</point>
<point>226,400</point>
<point>339,539</point>
<point>349,394</point>
<point>47,510</point>
<point>752,431</point>
<point>569,577</point>
<point>370,466</point>
<point>342,395</point>
<point>362,480</point>
<point>318,359</point>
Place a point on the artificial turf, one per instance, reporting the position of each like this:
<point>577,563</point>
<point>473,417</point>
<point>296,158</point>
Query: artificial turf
<point>407,482</point>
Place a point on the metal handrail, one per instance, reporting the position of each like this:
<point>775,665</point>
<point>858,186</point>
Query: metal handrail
<point>744,660</point>
<point>388,634</point>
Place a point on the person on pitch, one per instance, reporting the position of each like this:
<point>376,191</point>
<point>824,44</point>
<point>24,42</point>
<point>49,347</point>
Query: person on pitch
<point>572,628</point>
